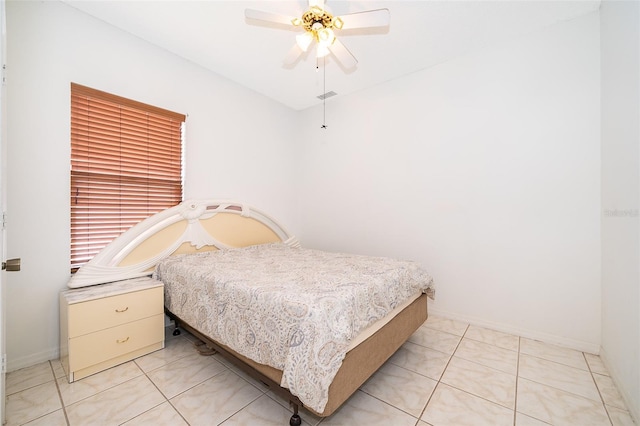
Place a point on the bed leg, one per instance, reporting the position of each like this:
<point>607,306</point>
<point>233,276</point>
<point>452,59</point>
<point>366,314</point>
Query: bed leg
<point>176,331</point>
<point>295,420</point>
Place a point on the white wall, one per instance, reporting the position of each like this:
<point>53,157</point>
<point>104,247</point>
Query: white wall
<point>50,45</point>
<point>620,23</point>
<point>486,170</point>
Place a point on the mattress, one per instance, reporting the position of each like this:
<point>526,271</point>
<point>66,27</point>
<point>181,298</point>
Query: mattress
<point>297,310</point>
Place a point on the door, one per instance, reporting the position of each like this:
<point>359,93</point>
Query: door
<point>3,168</point>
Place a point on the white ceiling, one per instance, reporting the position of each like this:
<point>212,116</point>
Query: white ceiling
<point>423,33</point>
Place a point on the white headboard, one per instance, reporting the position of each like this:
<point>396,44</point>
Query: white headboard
<point>190,227</point>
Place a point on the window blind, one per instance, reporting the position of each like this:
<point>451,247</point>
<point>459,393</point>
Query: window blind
<point>126,165</point>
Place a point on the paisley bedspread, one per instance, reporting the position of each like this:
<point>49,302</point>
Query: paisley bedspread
<point>292,308</point>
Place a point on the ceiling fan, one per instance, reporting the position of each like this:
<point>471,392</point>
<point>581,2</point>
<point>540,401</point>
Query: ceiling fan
<point>319,25</point>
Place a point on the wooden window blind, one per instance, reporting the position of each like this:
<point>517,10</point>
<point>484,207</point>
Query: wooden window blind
<point>126,165</point>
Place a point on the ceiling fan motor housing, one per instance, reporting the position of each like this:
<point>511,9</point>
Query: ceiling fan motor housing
<point>319,25</point>
<point>316,18</point>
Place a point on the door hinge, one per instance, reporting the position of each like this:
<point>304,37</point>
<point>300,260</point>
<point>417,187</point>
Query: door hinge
<point>4,220</point>
<point>4,363</point>
<point>4,74</point>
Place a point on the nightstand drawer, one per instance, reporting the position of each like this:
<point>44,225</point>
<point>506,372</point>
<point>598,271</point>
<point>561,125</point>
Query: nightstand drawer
<point>95,315</point>
<point>94,348</point>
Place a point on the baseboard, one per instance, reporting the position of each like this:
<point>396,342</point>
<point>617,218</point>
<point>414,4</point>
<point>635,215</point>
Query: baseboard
<point>592,348</point>
<point>14,364</point>
<point>632,406</point>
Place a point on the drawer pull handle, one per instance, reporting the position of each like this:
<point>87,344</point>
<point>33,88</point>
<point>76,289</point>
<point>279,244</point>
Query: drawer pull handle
<point>122,310</point>
<point>122,340</point>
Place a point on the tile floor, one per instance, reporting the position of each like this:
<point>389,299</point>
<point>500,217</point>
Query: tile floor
<point>449,373</point>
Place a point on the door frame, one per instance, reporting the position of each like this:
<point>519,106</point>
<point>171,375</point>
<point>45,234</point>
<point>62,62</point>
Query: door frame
<point>3,204</point>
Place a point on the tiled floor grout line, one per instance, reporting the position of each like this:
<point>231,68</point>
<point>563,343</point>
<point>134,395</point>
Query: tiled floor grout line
<point>248,404</point>
<point>566,366</point>
<point>604,404</point>
<point>163,395</point>
<point>144,373</point>
<point>166,399</point>
<point>227,369</point>
<point>568,391</point>
<point>515,402</point>
<point>193,345</point>
<point>55,381</point>
<point>465,391</point>
<point>443,371</point>
<point>382,400</point>
<point>610,416</point>
<point>518,351</point>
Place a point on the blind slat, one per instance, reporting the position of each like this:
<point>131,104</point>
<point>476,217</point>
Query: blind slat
<point>126,165</point>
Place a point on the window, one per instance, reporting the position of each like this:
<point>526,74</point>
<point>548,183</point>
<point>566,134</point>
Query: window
<point>126,165</point>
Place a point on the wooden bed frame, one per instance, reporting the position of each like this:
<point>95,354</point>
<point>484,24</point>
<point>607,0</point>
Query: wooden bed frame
<point>195,226</point>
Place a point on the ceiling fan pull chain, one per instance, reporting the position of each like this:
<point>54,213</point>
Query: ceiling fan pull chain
<point>324,89</point>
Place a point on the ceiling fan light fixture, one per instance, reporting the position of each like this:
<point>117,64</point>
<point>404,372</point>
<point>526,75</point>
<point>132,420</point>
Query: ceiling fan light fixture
<point>304,40</point>
<point>316,10</point>
<point>326,36</point>
<point>322,50</point>
<point>319,25</point>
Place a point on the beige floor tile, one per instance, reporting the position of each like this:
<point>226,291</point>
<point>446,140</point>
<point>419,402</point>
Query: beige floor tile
<point>425,361</point>
<point>485,382</point>
<point>216,399</point>
<point>560,376</point>
<point>174,349</point>
<point>524,420</point>
<point>447,325</point>
<point>240,372</point>
<point>493,337</point>
<point>364,409</point>
<point>185,373</point>
<point>554,353</point>
<point>609,391</point>
<point>558,407</point>
<point>488,355</point>
<point>96,383</point>
<point>117,404</point>
<point>58,371</point>
<point>32,403</point>
<point>186,335</point>
<point>596,365</point>
<point>162,415</point>
<point>556,386</point>
<point>307,416</point>
<point>450,406</point>
<point>619,417</point>
<point>25,378</point>
<point>56,418</point>
<point>404,389</point>
<point>435,339</point>
<point>264,412</point>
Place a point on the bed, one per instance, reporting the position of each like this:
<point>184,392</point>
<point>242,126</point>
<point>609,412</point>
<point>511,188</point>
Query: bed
<point>218,259</point>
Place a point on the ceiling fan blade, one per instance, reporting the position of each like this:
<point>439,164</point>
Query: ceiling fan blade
<point>293,55</point>
<point>343,55</point>
<point>319,3</point>
<point>259,15</point>
<point>368,19</point>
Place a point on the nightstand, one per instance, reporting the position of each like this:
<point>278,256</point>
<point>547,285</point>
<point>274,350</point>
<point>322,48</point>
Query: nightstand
<point>105,325</point>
